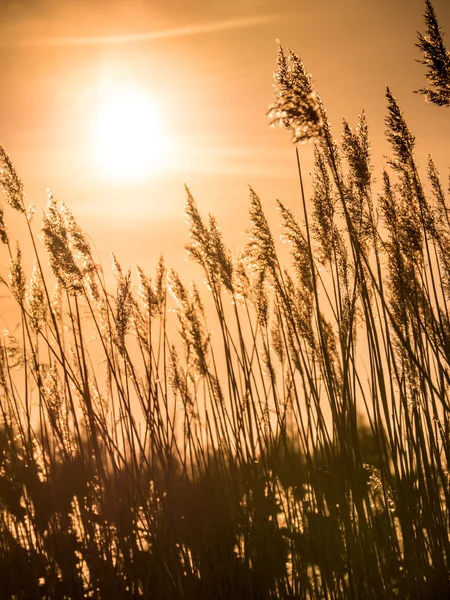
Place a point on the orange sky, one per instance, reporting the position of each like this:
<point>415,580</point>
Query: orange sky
<point>208,66</point>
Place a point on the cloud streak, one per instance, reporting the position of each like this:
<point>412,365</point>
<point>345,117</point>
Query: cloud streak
<point>149,36</point>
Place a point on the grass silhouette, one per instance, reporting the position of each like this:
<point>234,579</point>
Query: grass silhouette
<point>300,451</point>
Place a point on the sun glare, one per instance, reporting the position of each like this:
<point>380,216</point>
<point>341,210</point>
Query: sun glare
<point>129,138</point>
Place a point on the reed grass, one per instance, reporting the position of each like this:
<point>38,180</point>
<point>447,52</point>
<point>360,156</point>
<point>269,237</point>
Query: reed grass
<point>302,451</point>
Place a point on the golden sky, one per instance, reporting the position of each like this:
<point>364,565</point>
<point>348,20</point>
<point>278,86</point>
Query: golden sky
<point>206,69</point>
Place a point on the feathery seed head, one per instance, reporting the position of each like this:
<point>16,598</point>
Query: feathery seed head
<point>398,133</point>
<point>14,352</point>
<point>141,327</point>
<point>300,310</point>
<point>145,293</point>
<point>217,390</point>
<point>3,367</point>
<point>30,212</point>
<point>56,239</point>
<point>261,301</point>
<point>436,184</point>
<point>80,248</point>
<point>387,203</point>
<point>117,269</point>
<point>442,223</point>
<point>10,182</point>
<point>3,230</point>
<point>17,276</point>
<point>199,248</point>
<point>300,249</point>
<point>196,300</point>
<point>177,379</point>
<point>324,205</point>
<point>124,307</point>
<point>222,261</point>
<point>328,345</point>
<point>241,281</point>
<point>407,236</point>
<point>56,300</point>
<point>358,198</point>
<point>356,146</point>
<point>160,284</point>
<point>260,250</point>
<point>53,391</point>
<point>194,337</point>
<point>436,58</point>
<point>207,247</point>
<point>177,289</point>
<point>296,106</point>
<point>36,300</point>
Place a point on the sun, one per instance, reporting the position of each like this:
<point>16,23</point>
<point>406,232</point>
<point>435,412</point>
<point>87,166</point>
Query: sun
<point>130,142</point>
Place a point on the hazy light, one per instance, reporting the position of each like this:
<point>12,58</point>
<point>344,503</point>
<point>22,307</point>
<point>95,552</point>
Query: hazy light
<point>133,38</point>
<point>129,138</point>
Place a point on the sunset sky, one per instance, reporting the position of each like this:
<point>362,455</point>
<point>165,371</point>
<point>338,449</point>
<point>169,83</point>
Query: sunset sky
<point>204,72</point>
